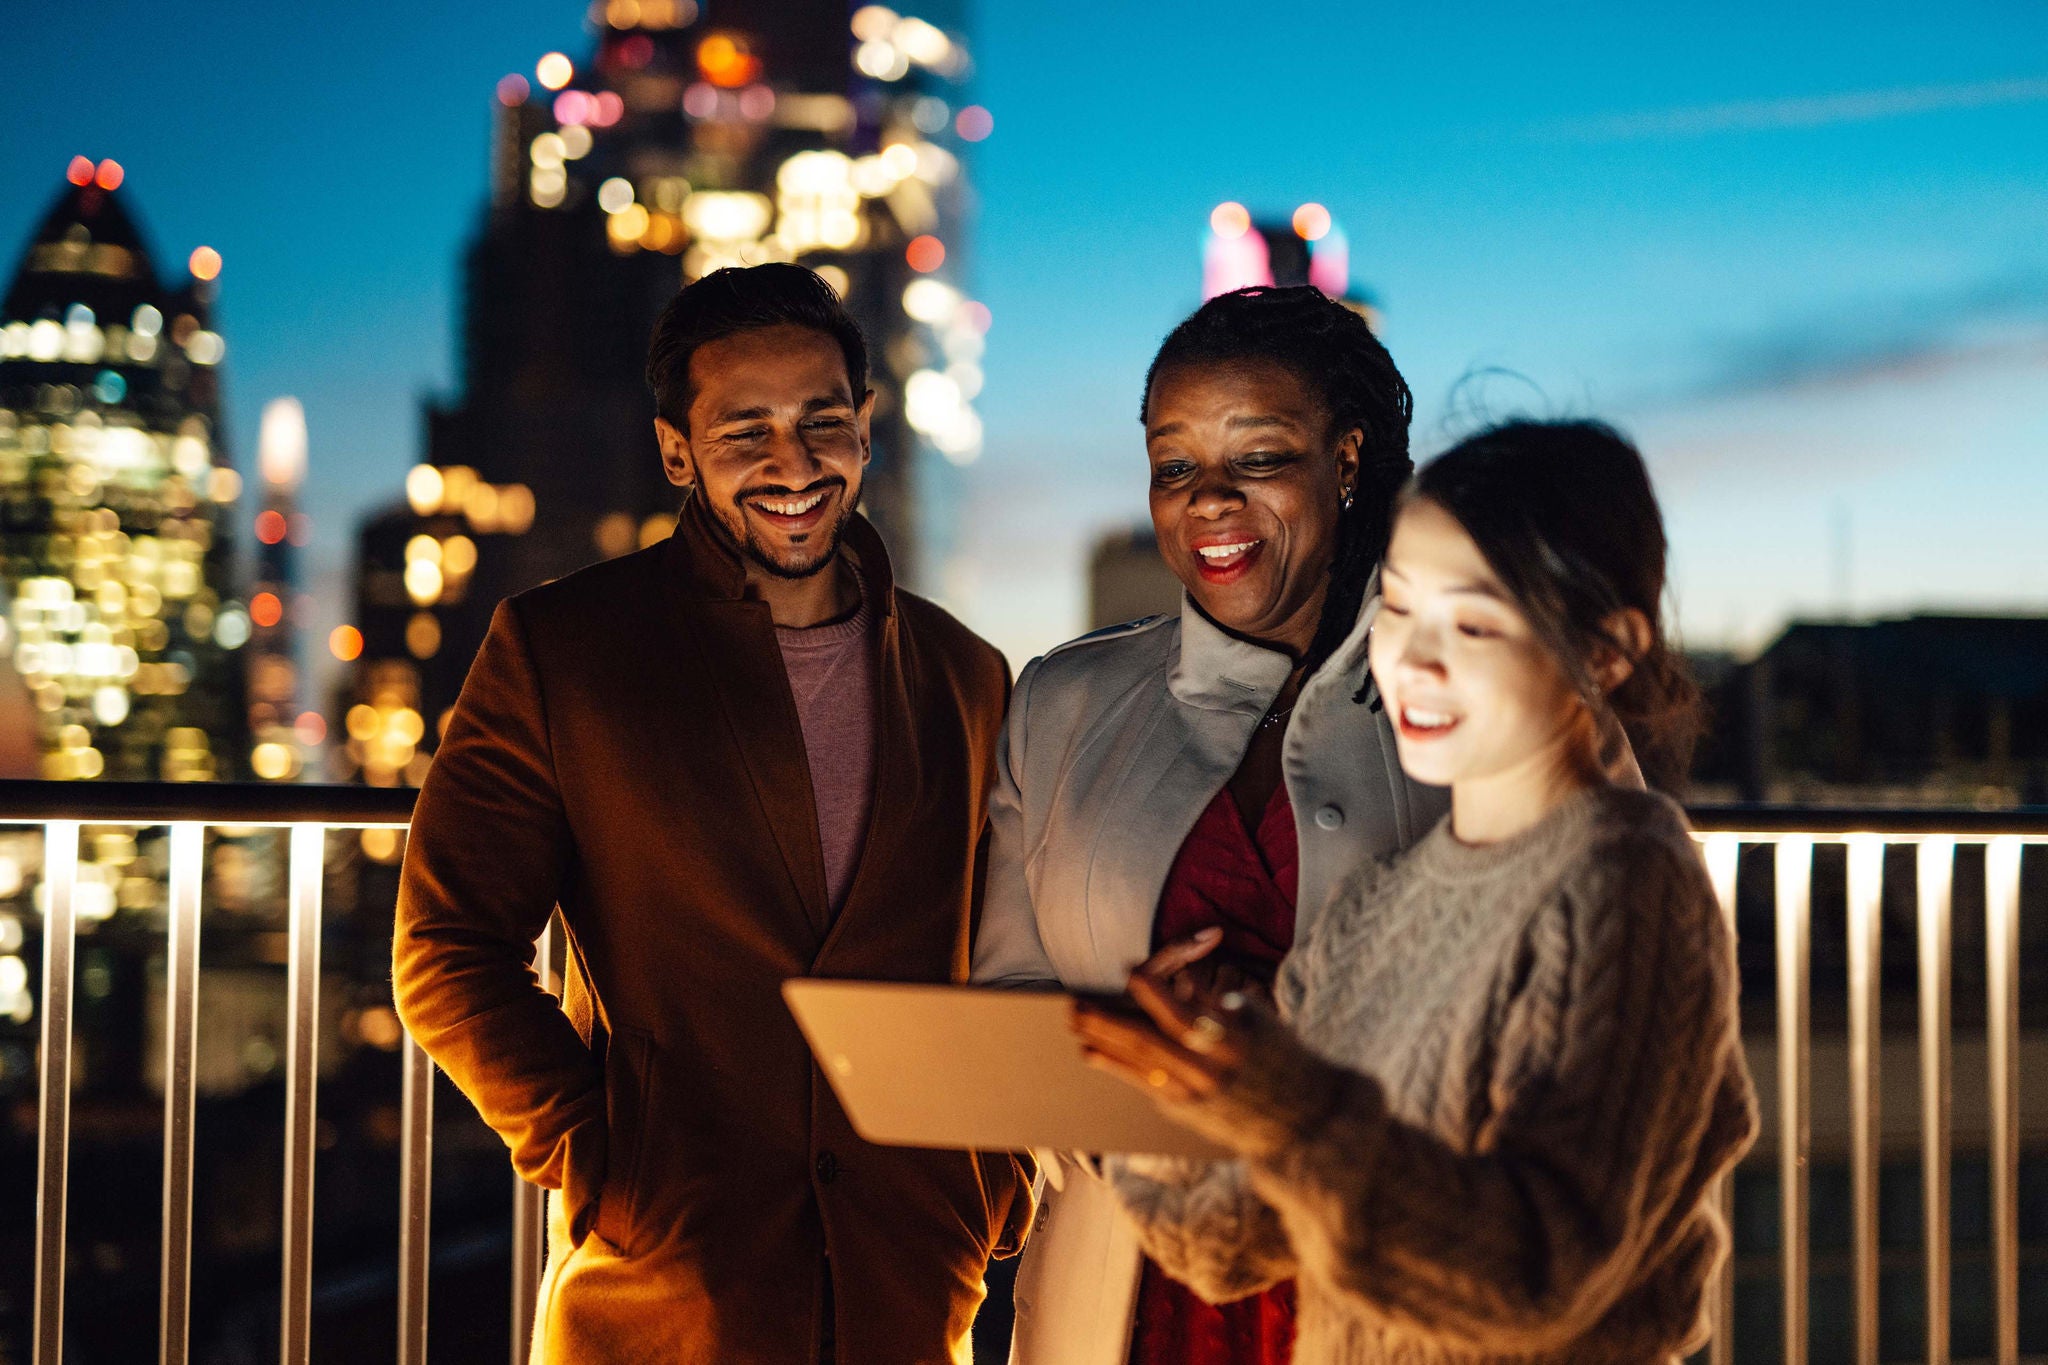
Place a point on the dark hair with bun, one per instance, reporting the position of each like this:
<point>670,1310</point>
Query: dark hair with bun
<point>1333,351</point>
<point>1565,516</point>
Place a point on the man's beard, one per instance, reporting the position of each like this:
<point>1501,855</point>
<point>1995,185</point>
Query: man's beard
<point>749,548</point>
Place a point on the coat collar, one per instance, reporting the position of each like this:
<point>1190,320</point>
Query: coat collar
<point>1216,671</point>
<point>702,564</point>
<point>1219,672</point>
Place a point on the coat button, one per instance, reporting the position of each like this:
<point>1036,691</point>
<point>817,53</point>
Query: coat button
<point>828,1168</point>
<point>1329,817</point>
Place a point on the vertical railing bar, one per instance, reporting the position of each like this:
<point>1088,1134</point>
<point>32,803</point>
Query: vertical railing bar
<point>1795,1080</point>
<point>302,1080</point>
<point>181,1050</point>
<point>1723,856</point>
<point>2002,1026</point>
<point>529,1204</point>
<point>1937,860</point>
<point>1866,949</point>
<point>53,1126</point>
<point>416,1177</point>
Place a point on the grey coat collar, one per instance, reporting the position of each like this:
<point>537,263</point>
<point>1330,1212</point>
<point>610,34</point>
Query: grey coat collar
<point>1216,671</point>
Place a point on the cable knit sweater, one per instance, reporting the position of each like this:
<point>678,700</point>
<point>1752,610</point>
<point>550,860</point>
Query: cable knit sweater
<point>1513,1073</point>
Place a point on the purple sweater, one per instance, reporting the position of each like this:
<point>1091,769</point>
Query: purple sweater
<point>832,676</point>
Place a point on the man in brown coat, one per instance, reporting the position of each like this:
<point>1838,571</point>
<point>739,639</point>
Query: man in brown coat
<point>740,756</point>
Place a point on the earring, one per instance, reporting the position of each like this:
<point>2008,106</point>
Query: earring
<point>1346,503</point>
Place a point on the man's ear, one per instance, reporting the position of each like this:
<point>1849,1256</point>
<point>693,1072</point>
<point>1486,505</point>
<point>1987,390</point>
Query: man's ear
<point>863,418</point>
<point>675,453</point>
<point>1631,635</point>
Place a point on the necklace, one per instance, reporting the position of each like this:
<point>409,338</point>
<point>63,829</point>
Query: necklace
<point>1273,718</point>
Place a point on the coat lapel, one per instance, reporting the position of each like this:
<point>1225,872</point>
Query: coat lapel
<point>732,645</point>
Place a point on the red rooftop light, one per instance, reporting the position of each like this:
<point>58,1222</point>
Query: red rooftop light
<point>80,171</point>
<point>110,175</point>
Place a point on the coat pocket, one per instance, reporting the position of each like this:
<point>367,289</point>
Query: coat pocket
<point>629,1076</point>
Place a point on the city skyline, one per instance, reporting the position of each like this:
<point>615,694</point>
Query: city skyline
<point>1806,272</point>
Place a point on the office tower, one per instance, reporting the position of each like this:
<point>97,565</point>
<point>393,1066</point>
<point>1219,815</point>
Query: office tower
<point>125,626</point>
<point>683,140</point>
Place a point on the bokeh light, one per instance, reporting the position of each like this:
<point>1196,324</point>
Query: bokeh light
<point>205,263</point>
<point>271,527</point>
<point>1311,222</point>
<point>726,62</point>
<point>345,643</point>
<point>925,254</point>
<point>554,71</point>
<point>513,90</point>
<point>974,123</point>
<point>109,176</point>
<point>265,609</point>
<point>1230,219</point>
<point>80,171</point>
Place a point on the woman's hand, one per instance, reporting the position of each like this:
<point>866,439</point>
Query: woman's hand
<point>1192,1038</point>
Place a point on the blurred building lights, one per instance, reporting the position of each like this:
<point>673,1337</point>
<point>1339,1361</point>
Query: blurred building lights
<point>925,254</point>
<point>310,729</point>
<point>1311,222</point>
<point>836,277</point>
<point>607,109</point>
<point>1329,263</point>
<point>345,643</point>
<point>882,60</point>
<point>554,71</point>
<point>109,176</point>
<point>615,194</point>
<point>281,445</point>
<point>204,263</point>
<point>974,123</point>
<point>930,301</point>
<point>80,171</point>
<point>874,23</point>
<point>576,142</point>
<point>270,527</point>
<point>424,489</point>
<point>265,609</point>
<point>725,61</point>
<point>513,90</point>
<point>1230,219</point>
<point>929,115</point>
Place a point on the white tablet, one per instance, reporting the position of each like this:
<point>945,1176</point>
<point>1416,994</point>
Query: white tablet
<point>963,1066</point>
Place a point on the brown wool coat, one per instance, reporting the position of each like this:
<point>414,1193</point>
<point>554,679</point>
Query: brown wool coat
<point>626,746</point>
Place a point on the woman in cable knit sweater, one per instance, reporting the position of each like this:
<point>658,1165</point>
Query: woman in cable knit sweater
<point>1511,1068</point>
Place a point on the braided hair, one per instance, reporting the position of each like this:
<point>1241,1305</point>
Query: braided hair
<point>1333,351</point>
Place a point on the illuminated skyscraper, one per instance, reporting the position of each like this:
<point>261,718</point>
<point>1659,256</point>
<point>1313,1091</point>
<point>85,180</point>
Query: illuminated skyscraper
<point>125,623</point>
<point>1308,248</point>
<point>686,140</point>
<point>274,603</point>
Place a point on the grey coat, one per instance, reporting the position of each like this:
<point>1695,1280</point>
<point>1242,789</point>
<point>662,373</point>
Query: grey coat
<point>1115,743</point>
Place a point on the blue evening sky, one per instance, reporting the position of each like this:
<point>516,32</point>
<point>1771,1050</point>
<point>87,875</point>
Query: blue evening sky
<point>1803,256</point>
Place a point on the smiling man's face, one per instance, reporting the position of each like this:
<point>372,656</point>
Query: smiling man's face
<point>777,444</point>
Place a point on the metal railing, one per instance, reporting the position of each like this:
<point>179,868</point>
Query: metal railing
<point>308,812</point>
<point>1792,833</point>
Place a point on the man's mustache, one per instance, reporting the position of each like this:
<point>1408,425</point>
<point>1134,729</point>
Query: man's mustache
<point>778,490</point>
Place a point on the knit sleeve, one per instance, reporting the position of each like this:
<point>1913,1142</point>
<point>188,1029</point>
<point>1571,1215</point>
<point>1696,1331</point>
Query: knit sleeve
<point>1610,1059</point>
<point>1203,1223</point>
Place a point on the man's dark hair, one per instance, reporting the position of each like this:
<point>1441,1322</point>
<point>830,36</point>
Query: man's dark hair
<point>741,299</point>
<point>1333,351</point>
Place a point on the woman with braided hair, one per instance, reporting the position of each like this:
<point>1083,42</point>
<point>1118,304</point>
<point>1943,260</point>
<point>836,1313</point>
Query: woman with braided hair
<point>1181,785</point>
<point>1510,1069</point>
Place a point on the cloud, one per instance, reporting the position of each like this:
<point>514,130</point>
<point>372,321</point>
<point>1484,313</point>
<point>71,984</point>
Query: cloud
<point>1991,324</point>
<point>1814,111</point>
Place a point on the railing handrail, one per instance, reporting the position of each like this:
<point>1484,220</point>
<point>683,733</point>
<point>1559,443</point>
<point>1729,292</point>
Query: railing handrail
<point>32,801</point>
<point>1966,822</point>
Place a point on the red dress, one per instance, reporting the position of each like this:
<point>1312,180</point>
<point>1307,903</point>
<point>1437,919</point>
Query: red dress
<point>1245,881</point>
